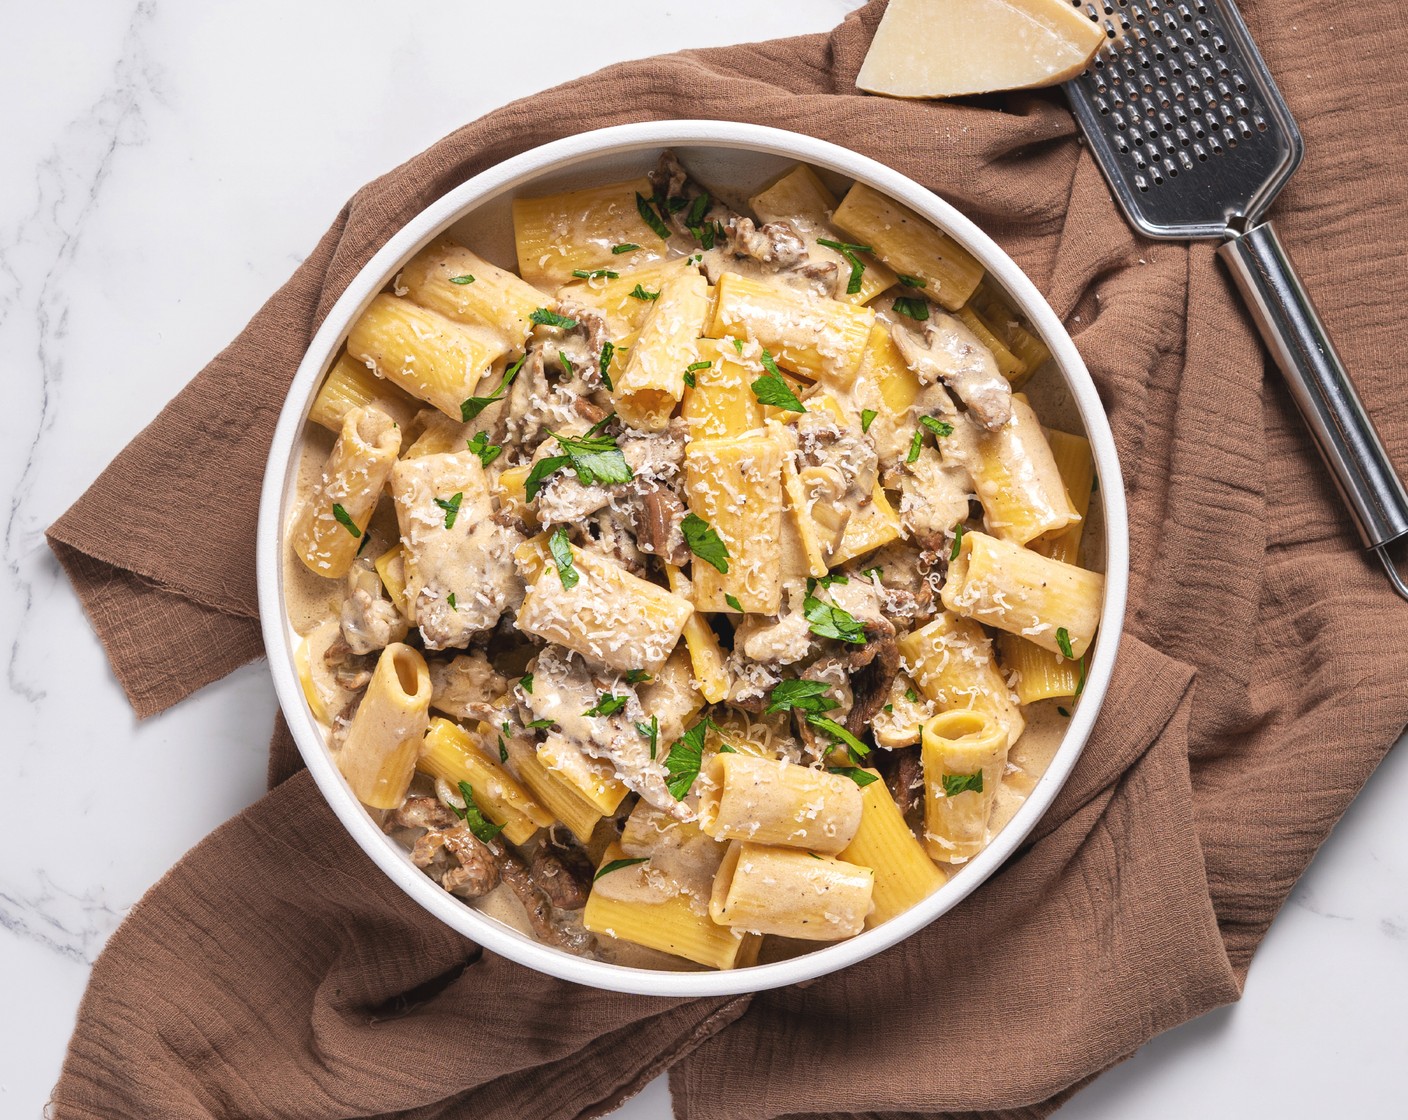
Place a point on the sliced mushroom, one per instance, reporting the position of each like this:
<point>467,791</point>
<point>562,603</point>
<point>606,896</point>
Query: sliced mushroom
<point>943,349</point>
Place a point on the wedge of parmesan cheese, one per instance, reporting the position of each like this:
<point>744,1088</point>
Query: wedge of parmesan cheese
<point>948,48</point>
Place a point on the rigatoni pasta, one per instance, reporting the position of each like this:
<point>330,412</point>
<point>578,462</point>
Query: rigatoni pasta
<point>682,553</point>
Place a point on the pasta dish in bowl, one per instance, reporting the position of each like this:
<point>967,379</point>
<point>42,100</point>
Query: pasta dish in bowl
<point>691,558</point>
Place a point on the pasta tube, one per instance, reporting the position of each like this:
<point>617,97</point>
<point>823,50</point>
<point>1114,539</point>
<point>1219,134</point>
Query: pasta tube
<point>1017,481</point>
<point>608,615</point>
<point>558,797</point>
<point>653,381</point>
<point>802,198</point>
<point>963,756</point>
<point>431,357</point>
<point>706,656</point>
<point>463,286</point>
<point>1042,674</point>
<point>1008,364</point>
<point>791,893</point>
<point>1014,589</point>
<point>350,384</point>
<point>378,756</point>
<point>576,231</point>
<point>909,245</point>
<point>624,297</point>
<point>1002,321</point>
<point>873,525</point>
<point>593,778</point>
<point>772,801</point>
<point>904,873</point>
<point>809,335</point>
<point>721,400</point>
<point>671,926</point>
<point>459,574</point>
<point>736,486</point>
<point>391,567</point>
<point>329,530</point>
<point>951,661</point>
<point>451,754</point>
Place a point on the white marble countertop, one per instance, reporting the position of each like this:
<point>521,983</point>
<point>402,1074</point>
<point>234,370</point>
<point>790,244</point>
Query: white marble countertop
<point>165,167</point>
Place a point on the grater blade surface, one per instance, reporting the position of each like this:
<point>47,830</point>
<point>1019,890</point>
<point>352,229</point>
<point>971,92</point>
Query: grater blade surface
<point>1183,117</point>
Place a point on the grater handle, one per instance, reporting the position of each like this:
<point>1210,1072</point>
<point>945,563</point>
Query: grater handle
<point>1298,340</point>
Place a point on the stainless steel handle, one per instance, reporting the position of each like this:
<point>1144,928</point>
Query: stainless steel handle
<point>1343,432</point>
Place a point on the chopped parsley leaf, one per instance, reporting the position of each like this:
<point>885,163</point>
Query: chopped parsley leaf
<point>561,550</point>
<point>624,247</point>
<point>451,508</point>
<point>542,470</point>
<point>829,621</point>
<point>732,601</point>
<point>608,703</point>
<point>595,458</point>
<point>954,784</point>
<point>472,407</point>
<point>917,309</point>
<point>833,577</point>
<point>848,252</point>
<point>1080,681</point>
<point>697,210</point>
<point>503,750</point>
<point>481,446</point>
<point>938,427</point>
<point>685,758</point>
<point>1064,712</point>
<point>873,573</point>
<point>541,724</point>
<point>545,318</point>
<point>854,747</point>
<point>704,542</point>
<point>912,281</point>
<point>640,293</point>
<point>345,520</point>
<point>738,345</point>
<point>915,443</point>
<point>911,695</point>
<point>617,865</point>
<point>651,218</point>
<point>527,683</point>
<point>650,731</point>
<point>465,279</point>
<point>888,708</point>
<point>608,350</point>
<point>636,676</point>
<point>693,366</point>
<point>727,748</point>
<point>957,542</point>
<point>566,363</point>
<point>596,273</point>
<point>867,417</point>
<point>861,777</point>
<point>483,828</point>
<point>450,598</point>
<point>773,390</point>
<point>808,697</point>
<point>689,379</point>
<point>1063,643</point>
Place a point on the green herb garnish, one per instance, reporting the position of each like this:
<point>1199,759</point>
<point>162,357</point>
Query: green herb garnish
<point>732,601</point>
<point>483,828</point>
<point>472,407</point>
<point>451,508</point>
<point>640,293</point>
<point>481,446</point>
<point>526,683</point>
<point>541,724</point>
<point>912,281</point>
<point>1063,643</point>
<point>625,246</point>
<point>545,318</point>
<point>773,390</point>
<point>608,703</point>
<point>957,542</point>
<point>650,217</point>
<point>596,273</point>
<point>940,428</point>
<point>608,350</point>
<point>808,697</point>
<point>1063,712</point>
<point>848,252</point>
<point>829,621</point>
<point>917,309</point>
<point>617,865</point>
<point>867,417</point>
<point>954,784</point>
<point>503,750</point>
<point>650,731</point>
<point>861,777</point>
<point>911,695</point>
<point>345,520</point>
<point>873,573</point>
<point>685,758</point>
<point>465,279</point>
<point>854,747</point>
<point>450,598</point>
<point>595,458</point>
<point>704,542</point>
<point>916,442</point>
<point>738,345</point>
<point>561,550</point>
<point>566,363</point>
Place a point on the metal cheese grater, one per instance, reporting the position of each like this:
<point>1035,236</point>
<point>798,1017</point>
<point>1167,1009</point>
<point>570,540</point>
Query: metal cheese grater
<point>1196,141</point>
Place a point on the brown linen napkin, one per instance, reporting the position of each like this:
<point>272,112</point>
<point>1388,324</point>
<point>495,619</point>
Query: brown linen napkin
<point>275,972</point>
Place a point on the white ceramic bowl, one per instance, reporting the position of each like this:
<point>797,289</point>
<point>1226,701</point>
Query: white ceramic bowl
<point>722,154</point>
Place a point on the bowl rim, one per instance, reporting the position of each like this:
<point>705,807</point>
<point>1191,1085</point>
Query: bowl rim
<point>520,170</point>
